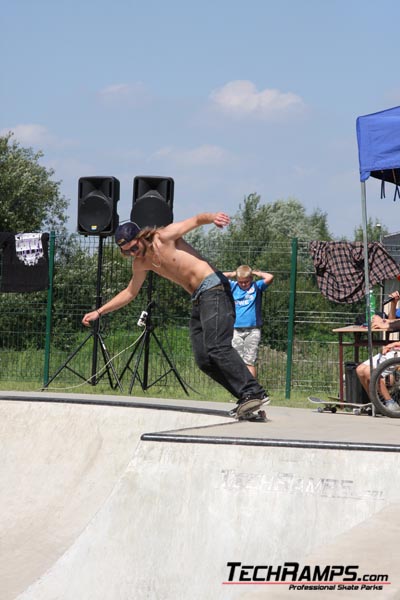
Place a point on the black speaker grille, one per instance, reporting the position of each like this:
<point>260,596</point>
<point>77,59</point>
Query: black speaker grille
<point>152,201</point>
<point>95,212</point>
<point>97,199</point>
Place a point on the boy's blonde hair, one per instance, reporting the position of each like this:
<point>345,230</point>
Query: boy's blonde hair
<point>244,271</point>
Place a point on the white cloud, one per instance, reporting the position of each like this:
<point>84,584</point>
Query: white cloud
<point>125,94</point>
<point>31,135</point>
<point>242,99</point>
<point>204,155</point>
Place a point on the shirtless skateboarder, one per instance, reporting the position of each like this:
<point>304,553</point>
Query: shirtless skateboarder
<point>164,251</point>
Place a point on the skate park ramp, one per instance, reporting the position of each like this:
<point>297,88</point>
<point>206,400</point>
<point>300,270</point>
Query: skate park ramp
<point>120,498</point>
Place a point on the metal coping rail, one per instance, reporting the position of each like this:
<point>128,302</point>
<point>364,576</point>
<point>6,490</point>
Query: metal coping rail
<point>118,403</point>
<point>271,442</point>
<point>203,439</point>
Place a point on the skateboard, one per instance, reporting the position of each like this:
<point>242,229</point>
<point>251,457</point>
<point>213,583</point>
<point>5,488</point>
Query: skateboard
<point>333,404</point>
<point>250,411</point>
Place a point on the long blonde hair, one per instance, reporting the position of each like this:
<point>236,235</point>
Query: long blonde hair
<point>147,235</point>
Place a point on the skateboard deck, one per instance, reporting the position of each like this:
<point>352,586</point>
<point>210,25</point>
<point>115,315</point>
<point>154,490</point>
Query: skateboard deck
<point>251,410</point>
<point>333,404</point>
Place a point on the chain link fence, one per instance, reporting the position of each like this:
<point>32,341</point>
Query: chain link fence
<point>42,338</point>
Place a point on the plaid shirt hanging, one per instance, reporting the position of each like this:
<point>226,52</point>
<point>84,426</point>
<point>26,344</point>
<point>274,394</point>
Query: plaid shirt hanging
<point>339,267</point>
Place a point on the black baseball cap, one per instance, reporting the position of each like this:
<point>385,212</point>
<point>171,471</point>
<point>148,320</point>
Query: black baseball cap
<point>125,233</point>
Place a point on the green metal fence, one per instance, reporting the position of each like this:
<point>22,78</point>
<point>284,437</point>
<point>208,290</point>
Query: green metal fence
<point>41,333</point>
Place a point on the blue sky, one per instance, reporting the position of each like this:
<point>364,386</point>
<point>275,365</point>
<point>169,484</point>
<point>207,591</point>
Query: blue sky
<point>226,97</point>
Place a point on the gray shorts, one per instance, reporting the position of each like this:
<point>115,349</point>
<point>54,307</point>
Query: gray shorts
<point>246,342</point>
<point>380,358</point>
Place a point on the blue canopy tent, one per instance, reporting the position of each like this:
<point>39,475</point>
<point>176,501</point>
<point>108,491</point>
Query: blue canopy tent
<point>378,136</point>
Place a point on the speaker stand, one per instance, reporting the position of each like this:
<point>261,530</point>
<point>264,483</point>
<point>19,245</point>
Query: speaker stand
<point>97,338</point>
<point>142,349</point>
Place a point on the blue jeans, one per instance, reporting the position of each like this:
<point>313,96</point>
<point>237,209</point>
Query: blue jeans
<point>211,332</point>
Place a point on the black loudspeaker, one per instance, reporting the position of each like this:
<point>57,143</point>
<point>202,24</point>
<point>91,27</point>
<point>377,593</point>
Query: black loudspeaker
<point>97,205</point>
<point>152,203</point>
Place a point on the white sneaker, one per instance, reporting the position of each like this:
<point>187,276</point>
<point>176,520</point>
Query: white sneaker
<point>392,405</point>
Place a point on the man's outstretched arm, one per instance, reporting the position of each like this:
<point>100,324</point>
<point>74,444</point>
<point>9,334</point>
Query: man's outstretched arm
<point>179,229</point>
<point>121,299</point>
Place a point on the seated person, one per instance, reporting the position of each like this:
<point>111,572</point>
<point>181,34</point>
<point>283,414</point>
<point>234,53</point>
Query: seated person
<point>389,351</point>
<point>364,373</point>
<point>379,322</point>
<point>394,311</point>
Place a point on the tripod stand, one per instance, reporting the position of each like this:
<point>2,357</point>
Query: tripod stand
<point>97,340</point>
<point>142,348</point>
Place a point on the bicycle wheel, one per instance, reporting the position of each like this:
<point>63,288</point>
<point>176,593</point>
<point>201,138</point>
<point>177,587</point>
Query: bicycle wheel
<point>386,377</point>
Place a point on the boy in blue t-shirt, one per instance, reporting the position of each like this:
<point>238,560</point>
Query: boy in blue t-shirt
<point>247,295</point>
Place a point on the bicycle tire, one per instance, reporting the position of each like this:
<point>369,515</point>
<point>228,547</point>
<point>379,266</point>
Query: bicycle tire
<point>388,372</point>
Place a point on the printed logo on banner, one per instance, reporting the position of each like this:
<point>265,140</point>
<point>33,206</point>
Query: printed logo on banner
<point>28,248</point>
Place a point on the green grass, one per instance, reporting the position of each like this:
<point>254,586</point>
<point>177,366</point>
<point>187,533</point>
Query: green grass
<point>210,393</point>
<point>23,371</point>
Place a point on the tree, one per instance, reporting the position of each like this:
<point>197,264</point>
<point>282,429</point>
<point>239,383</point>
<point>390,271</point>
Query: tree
<point>375,231</point>
<point>277,220</point>
<point>257,225</point>
<point>288,219</point>
<point>30,200</point>
<point>260,235</point>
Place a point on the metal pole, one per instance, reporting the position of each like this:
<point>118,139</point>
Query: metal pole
<point>150,328</point>
<point>292,307</point>
<point>366,269</point>
<point>366,278</point>
<point>96,325</point>
<point>49,310</point>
